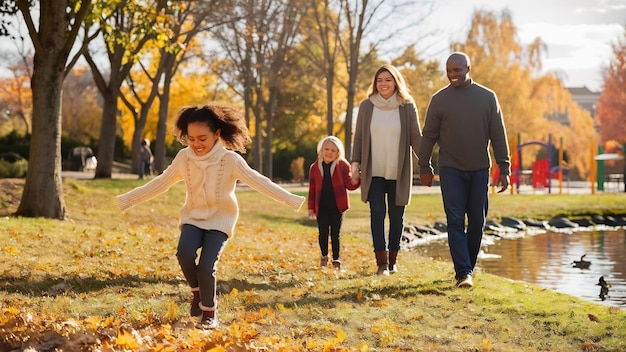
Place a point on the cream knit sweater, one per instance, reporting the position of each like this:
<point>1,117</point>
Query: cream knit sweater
<point>211,180</point>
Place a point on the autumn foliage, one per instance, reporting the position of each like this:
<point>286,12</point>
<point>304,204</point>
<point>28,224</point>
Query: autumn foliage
<point>611,114</point>
<point>529,99</point>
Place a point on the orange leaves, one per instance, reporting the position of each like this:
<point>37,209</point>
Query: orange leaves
<point>612,102</point>
<point>386,331</point>
<point>359,296</point>
<point>128,339</point>
<point>487,346</point>
<point>94,322</point>
<point>11,250</point>
<point>243,332</point>
<point>172,311</point>
<point>330,345</point>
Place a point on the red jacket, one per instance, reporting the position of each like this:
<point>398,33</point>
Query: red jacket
<point>340,172</point>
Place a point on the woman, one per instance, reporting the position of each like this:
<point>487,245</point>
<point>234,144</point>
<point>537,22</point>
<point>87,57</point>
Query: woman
<point>386,137</point>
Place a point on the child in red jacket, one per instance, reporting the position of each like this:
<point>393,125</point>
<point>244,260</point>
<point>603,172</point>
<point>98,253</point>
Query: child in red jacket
<point>330,178</point>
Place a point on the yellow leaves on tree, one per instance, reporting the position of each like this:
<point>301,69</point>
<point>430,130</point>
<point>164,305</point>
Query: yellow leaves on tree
<point>528,99</point>
<point>16,95</point>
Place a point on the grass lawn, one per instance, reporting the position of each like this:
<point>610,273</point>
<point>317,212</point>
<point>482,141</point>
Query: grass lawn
<point>106,281</point>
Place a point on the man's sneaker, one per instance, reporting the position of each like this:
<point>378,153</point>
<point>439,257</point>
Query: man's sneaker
<point>465,281</point>
<point>207,323</point>
<point>337,264</point>
<point>324,261</point>
<point>393,268</point>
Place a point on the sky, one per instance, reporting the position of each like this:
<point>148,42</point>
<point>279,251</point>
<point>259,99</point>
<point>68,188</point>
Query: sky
<point>578,33</point>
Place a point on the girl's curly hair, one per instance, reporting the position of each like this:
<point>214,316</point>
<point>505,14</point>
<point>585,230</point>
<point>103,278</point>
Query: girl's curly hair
<point>231,123</point>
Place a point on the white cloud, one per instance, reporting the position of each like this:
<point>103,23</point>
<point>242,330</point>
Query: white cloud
<point>578,33</point>
<point>579,51</point>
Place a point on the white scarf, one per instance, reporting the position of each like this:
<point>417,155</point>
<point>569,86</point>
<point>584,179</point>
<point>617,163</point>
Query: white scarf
<point>197,167</point>
<point>385,104</point>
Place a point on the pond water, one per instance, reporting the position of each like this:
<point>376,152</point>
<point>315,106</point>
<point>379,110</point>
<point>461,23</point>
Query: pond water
<point>546,259</point>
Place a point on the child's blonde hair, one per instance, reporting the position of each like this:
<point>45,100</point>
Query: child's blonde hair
<point>332,139</point>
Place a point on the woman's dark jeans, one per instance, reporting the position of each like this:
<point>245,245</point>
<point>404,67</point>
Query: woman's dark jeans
<point>382,199</point>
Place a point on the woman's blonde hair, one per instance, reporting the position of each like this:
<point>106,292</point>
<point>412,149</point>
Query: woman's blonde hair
<point>402,91</point>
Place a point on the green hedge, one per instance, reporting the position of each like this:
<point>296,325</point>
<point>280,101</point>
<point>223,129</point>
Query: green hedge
<point>13,170</point>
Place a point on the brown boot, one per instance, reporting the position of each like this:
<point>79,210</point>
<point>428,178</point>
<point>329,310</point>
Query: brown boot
<point>195,310</point>
<point>393,255</point>
<point>382,262</point>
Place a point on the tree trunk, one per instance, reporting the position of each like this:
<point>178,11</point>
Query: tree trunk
<point>330,79</point>
<point>257,142</point>
<point>159,145</point>
<point>106,145</point>
<point>43,189</point>
<point>140,126</point>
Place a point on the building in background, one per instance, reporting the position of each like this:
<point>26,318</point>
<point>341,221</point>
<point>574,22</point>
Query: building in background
<point>585,98</point>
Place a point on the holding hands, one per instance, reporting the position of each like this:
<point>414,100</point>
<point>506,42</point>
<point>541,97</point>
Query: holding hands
<point>356,172</point>
<point>426,179</point>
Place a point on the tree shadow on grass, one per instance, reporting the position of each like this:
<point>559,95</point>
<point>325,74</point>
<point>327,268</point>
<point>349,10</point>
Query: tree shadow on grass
<point>361,295</point>
<point>54,286</point>
<point>226,286</point>
<point>304,221</point>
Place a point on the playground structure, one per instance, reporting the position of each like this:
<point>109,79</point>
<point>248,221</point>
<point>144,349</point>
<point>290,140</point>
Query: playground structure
<point>544,170</point>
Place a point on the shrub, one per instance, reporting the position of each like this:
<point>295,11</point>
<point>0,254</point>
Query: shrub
<point>15,169</point>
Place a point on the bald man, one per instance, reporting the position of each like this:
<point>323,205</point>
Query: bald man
<point>464,118</point>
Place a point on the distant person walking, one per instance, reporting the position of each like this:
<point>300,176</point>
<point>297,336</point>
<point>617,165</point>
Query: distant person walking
<point>330,179</point>
<point>386,137</point>
<point>463,118</point>
<point>146,159</point>
<point>210,168</point>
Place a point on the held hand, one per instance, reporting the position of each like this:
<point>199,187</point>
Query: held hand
<point>356,172</point>
<point>426,179</point>
<point>504,182</point>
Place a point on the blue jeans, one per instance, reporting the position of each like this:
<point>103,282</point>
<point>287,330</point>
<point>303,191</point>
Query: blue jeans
<point>464,193</point>
<point>201,275</point>
<point>379,188</point>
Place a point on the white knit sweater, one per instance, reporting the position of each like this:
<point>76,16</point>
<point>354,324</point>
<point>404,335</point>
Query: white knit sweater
<point>211,180</point>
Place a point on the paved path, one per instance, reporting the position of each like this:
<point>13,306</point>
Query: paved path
<point>572,187</point>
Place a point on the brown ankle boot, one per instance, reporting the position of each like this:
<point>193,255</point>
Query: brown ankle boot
<point>382,262</point>
<point>195,310</point>
<point>393,255</point>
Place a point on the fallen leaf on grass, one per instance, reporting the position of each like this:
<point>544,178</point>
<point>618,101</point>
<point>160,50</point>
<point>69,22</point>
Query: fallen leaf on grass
<point>593,318</point>
<point>340,337</point>
<point>126,339</point>
<point>11,250</point>
<point>172,311</point>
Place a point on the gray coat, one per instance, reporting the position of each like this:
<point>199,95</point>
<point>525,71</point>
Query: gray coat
<point>409,142</point>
